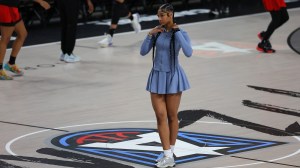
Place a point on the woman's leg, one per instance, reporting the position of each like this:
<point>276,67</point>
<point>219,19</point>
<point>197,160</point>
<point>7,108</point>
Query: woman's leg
<point>275,22</point>
<point>21,36</point>
<point>159,106</point>
<point>172,102</point>
<point>278,18</point>
<point>215,6</point>
<point>63,21</point>
<point>284,16</point>
<point>71,14</point>
<point>6,32</point>
<point>119,10</point>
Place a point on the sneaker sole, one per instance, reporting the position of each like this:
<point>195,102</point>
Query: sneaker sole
<point>5,79</point>
<point>104,46</point>
<point>167,166</point>
<point>261,50</point>
<point>17,75</point>
<point>10,78</point>
<point>71,61</point>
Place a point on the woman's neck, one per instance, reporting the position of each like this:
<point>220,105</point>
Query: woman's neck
<point>169,26</point>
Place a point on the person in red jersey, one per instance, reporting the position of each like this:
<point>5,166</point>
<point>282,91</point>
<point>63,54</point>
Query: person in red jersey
<point>279,14</point>
<point>11,21</point>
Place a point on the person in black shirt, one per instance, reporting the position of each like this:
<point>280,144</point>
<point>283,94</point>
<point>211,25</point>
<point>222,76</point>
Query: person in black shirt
<point>69,10</point>
<point>120,9</point>
<point>11,21</point>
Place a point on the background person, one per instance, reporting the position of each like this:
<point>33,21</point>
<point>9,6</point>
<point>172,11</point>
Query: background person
<point>279,14</point>
<point>11,21</point>
<point>68,11</point>
<point>119,9</point>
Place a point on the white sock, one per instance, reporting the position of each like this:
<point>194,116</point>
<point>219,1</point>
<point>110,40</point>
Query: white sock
<point>168,153</point>
<point>172,148</point>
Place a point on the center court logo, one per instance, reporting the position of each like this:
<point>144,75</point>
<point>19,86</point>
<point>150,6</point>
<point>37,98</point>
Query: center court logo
<point>142,146</point>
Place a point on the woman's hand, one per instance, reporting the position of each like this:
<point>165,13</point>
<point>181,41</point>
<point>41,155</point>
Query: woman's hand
<point>156,29</point>
<point>175,26</point>
<point>43,4</point>
<point>90,6</point>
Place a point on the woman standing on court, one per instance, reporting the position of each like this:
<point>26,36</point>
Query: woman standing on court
<point>10,21</point>
<point>279,14</point>
<point>167,79</point>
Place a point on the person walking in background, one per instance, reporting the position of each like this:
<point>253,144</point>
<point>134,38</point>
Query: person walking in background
<point>167,79</point>
<point>69,10</point>
<point>119,9</point>
<point>279,14</point>
<point>218,7</point>
<point>215,7</point>
<point>11,21</point>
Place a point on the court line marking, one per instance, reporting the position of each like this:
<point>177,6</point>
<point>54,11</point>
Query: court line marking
<point>9,144</point>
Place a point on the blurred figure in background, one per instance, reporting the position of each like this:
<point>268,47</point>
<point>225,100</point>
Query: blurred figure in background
<point>119,9</point>
<point>215,7</point>
<point>279,14</point>
<point>218,7</point>
<point>11,21</point>
<point>69,10</point>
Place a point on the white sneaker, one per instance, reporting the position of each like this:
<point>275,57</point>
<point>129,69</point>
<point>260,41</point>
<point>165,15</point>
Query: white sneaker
<point>227,10</point>
<point>71,58</point>
<point>166,162</point>
<point>216,13</point>
<point>135,23</point>
<point>62,57</point>
<point>160,157</point>
<point>107,41</point>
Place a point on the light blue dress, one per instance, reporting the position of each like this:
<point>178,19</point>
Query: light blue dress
<point>167,76</point>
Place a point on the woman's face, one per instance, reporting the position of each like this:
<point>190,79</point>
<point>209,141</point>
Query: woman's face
<point>164,17</point>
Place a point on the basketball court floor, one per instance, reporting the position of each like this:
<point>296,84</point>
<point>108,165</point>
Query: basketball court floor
<point>242,110</point>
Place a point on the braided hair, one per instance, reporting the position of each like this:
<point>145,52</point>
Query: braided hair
<point>166,8</point>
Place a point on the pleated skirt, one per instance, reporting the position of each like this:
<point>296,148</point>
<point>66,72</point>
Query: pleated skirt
<point>167,82</point>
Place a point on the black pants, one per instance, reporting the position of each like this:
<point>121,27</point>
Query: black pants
<point>68,10</point>
<point>278,19</point>
<point>118,10</point>
<point>215,5</point>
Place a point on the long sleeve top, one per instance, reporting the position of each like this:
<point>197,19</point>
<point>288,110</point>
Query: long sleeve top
<point>163,61</point>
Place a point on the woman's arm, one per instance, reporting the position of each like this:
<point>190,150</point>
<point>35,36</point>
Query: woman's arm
<point>147,45</point>
<point>185,42</point>
<point>90,6</point>
<point>43,3</point>
<point>148,42</point>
